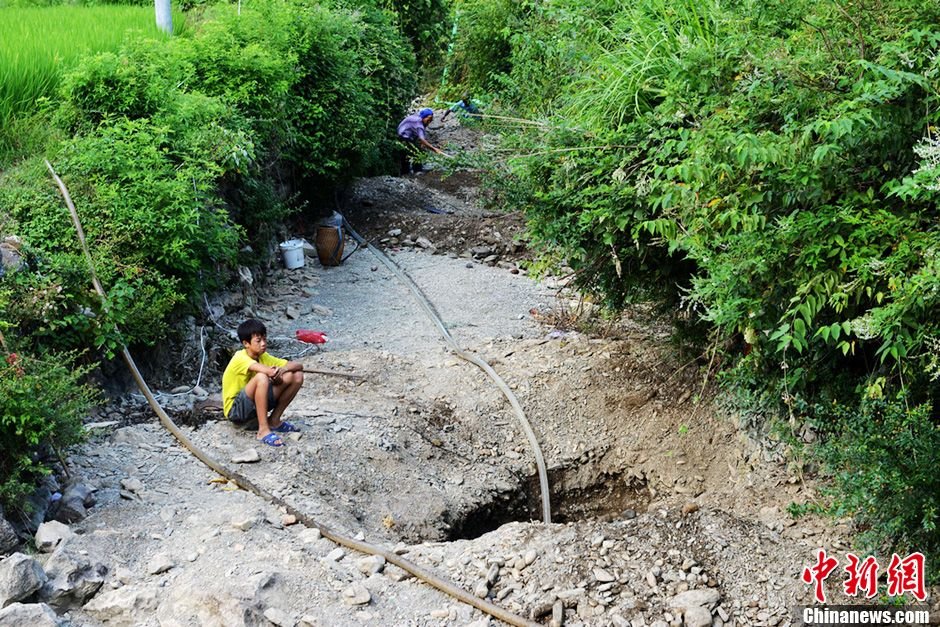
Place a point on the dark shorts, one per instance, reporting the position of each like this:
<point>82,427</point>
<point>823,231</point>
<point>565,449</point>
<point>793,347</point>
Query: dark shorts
<point>243,408</point>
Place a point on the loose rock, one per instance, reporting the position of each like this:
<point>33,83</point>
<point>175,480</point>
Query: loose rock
<point>8,537</point>
<point>28,615</point>
<point>160,563</point>
<point>371,565</point>
<point>706,597</point>
<point>124,605</point>
<point>603,576</point>
<point>558,614</point>
<point>530,556</point>
<point>132,484</point>
<point>279,617</point>
<point>249,456</point>
<point>247,522</point>
<point>51,534</point>
<point>72,578</point>
<point>697,617</point>
<point>20,576</point>
<point>308,536</point>
<point>357,594</point>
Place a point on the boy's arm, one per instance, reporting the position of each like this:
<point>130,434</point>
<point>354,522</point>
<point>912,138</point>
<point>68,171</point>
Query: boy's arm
<point>271,371</point>
<point>291,366</point>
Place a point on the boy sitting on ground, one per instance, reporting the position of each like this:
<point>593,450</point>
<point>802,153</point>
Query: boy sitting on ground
<point>255,383</point>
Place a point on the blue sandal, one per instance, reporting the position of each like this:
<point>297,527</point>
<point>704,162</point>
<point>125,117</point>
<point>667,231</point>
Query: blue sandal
<point>273,439</point>
<point>286,427</point>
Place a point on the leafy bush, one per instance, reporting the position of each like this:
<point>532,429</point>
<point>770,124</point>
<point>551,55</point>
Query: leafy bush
<point>527,53</point>
<point>880,457</point>
<point>481,49</point>
<point>145,196</point>
<point>244,59</point>
<point>42,402</point>
<point>772,169</point>
<point>425,23</point>
<point>165,130</point>
<point>356,73</point>
<point>106,86</point>
<point>390,67</point>
<point>321,87</point>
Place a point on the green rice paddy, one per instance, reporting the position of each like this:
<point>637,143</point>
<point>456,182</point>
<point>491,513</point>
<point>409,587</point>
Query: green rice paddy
<point>38,43</point>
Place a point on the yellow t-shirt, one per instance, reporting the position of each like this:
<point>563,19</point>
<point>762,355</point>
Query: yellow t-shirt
<point>237,375</point>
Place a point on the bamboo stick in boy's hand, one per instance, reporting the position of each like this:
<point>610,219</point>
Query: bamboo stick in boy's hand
<point>333,373</point>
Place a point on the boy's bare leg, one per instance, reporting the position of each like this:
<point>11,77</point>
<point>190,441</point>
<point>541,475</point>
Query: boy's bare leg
<point>285,393</point>
<point>257,391</point>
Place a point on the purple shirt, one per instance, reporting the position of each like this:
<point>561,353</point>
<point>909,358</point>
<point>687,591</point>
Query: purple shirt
<point>411,128</point>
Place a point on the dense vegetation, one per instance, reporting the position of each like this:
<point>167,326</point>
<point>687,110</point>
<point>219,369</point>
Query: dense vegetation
<point>770,172</point>
<point>36,42</point>
<point>178,152</point>
<point>767,171</point>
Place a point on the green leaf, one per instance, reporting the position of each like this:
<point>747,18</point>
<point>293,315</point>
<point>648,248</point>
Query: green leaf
<point>799,329</point>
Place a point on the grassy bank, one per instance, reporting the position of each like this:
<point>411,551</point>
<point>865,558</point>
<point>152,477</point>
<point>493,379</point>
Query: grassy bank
<point>37,44</point>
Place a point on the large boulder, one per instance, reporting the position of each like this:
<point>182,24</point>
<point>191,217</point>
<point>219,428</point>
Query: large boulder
<point>73,578</point>
<point>29,615</point>
<point>239,604</point>
<point>128,605</point>
<point>20,576</point>
<point>73,505</point>
<point>8,538</point>
<point>11,259</point>
<point>51,535</point>
<point>37,505</point>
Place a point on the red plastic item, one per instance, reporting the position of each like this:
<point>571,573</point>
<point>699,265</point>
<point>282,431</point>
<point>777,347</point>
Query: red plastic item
<point>311,337</point>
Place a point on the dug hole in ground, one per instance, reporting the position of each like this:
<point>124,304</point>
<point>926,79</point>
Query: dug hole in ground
<point>664,512</point>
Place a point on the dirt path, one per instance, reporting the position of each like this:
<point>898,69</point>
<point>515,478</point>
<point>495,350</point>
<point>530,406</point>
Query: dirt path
<point>665,513</point>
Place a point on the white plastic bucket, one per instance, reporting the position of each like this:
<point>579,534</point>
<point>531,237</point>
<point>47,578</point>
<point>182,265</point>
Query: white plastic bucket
<point>293,251</point>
